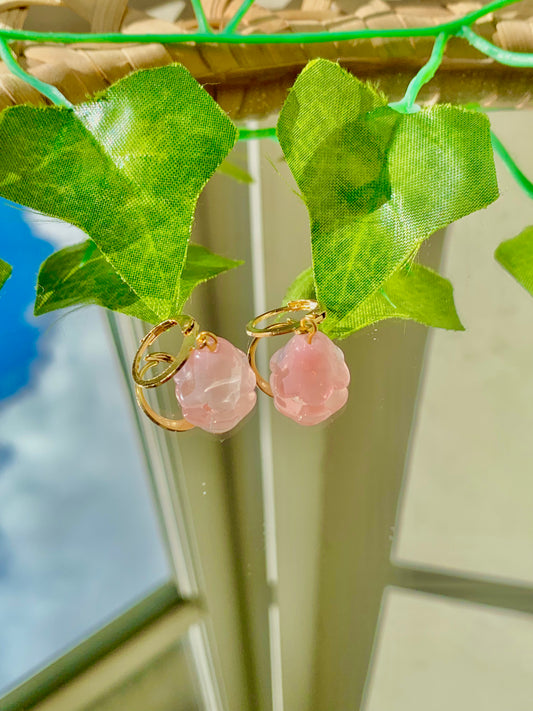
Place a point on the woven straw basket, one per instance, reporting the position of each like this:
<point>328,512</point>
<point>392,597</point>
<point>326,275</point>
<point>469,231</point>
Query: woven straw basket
<point>252,80</point>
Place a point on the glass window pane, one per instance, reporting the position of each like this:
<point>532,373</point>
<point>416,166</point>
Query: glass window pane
<point>441,654</point>
<point>467,503</point>
<point>167,684</point>
<point>79,538</point>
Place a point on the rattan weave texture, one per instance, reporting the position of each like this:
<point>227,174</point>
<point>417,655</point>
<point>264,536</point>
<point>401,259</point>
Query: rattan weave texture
<point>252,80</point>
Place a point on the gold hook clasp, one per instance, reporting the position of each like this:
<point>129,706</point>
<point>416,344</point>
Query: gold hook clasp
<point>206,339</point>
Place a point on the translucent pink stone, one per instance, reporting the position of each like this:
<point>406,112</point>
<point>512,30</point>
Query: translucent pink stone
<point>216,389</point>
<point>309,381</point>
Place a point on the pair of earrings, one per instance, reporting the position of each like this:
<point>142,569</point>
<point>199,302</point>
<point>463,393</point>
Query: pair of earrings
<point>215,381</point>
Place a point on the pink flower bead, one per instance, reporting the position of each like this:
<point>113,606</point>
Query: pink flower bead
<point>309,381</point>
<point>216,389</point>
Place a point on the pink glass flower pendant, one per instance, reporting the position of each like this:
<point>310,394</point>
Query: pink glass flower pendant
<point>216,388</point>
<point>309,380</point>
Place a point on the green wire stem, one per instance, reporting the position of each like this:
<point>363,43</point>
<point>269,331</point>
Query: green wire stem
<point>237,17</point>
<point>503,56</point>
<point>201,19</point>
<point>452,28</point>
<point>521,179</point>
<point>474,16</point>
<point>426,73</point>
<point>55,96</point>
<point>229,36</point>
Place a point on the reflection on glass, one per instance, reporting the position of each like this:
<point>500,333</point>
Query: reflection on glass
<point>78,535</point>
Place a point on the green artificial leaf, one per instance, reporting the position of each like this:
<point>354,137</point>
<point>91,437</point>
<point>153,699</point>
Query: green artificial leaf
<point>81,275</point>
<point>414,292</point>
<point>5,272</point>
<point>200,266</point>
<point>303,287</point>
<point>235,171</point>
<point>377,182</point>
<point>516,255</point>
<point>127,168</point>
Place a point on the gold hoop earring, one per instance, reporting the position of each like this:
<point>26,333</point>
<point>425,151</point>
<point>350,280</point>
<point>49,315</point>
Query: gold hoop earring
<point>308,324</point>
<point>309,378</point>
<point>189,328</point>
<point>215,385</point>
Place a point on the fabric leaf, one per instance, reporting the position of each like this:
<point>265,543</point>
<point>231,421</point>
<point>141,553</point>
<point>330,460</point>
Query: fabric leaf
<point>5,272</point>
<point>376,182</point>
<point>81,275</point>
<point>235,171</point>
<point>303,287</point>
<point>414,292</point>
<point>127,168</point>
<point>516,255</point>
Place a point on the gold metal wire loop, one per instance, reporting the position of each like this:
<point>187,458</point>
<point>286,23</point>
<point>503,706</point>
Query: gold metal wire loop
<point>206,339</point>
<point>173,425</point>
<point>280,328</point>
<point>307,324</point>
<point>189,328</point>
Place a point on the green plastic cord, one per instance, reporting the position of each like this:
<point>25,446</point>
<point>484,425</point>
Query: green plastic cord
<point>472,17</point>
<point>459,28</point>
<point>55,96</point>
<point>201,19</point>
<point>237,17</point>
<point>521,179</point>
<point>249,134</point>
<point>503,56</point>
<point>426,73</point>
<point>452,28</point>
<point>228,35</point>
